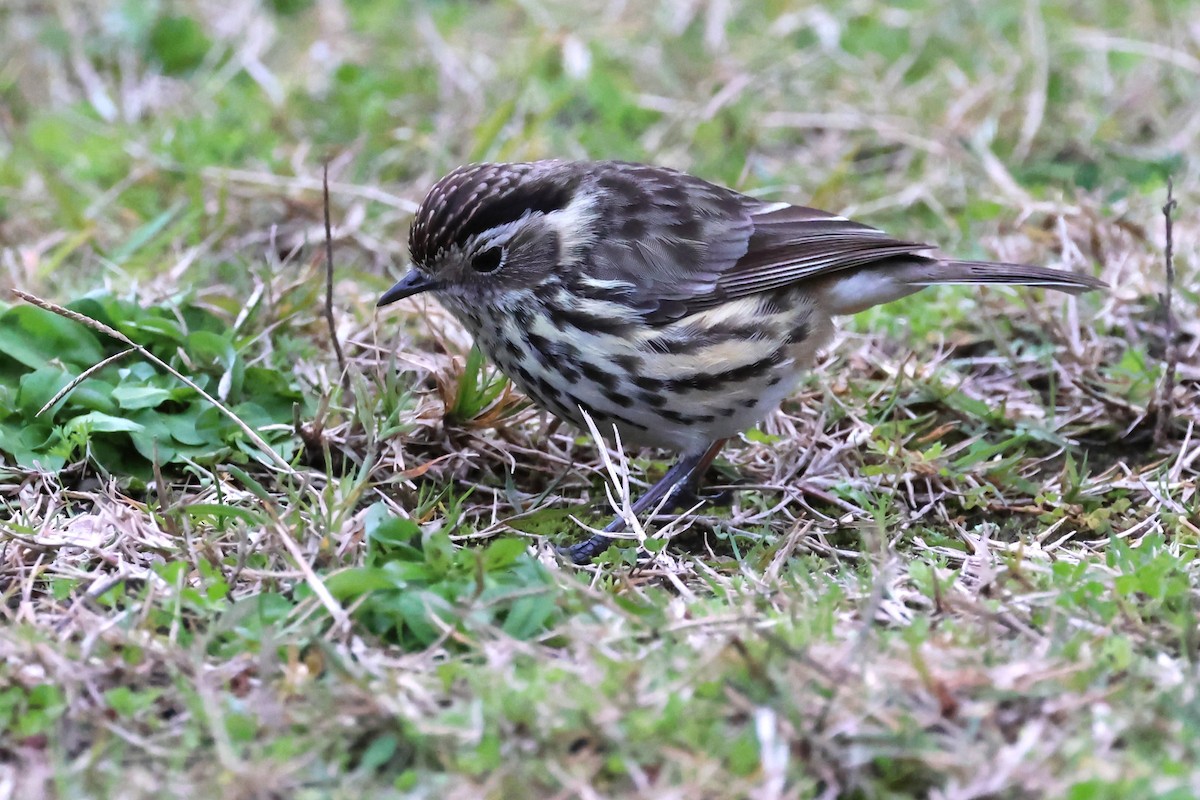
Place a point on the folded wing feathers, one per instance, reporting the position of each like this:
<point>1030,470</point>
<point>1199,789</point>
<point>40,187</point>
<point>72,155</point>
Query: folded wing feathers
<point>775,246</point>
<point>795,243</point>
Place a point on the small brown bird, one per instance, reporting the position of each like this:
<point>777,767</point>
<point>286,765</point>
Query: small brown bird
<point>676,310</point>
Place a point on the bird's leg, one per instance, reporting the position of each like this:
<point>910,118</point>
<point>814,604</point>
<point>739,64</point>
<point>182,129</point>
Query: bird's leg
<point>687,493</point>
<point>681,481</point>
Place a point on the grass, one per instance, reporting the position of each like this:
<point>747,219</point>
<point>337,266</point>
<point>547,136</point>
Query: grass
<point>958,564</point>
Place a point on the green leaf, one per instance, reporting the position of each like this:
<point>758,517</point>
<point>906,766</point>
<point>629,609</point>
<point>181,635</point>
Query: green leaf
<point>379,752</point>
<point>359,581</point>
<point>502,553</point>
<point>135,397</point>
<point>126,702</point>
<point>38,387</point>
<point>250,483</point>
<point>241,726</point>
<point>549,521</point>
<point>95,395</point>
<point>530,616</point>
<point>654,544</point>
<point>35,337</point>
<point>178,43</point>
<point>478,387</point>
<point>286,8</point>
<point>385,531</point>
<point>761,437</point>
<point>31,444</point>
<point>156,328</point>
<point>217,512</point>
<point>184,426</point>
<point>414,611</point>
<point>438,550</point>
<point>96,422</point>
<point>210,345</point>
<point>146,233</point>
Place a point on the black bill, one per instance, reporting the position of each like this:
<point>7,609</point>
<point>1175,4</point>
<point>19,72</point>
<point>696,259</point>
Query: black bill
<point>412,283</point>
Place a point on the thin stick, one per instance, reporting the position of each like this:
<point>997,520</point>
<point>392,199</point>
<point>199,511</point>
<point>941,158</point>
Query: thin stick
<point>1166,391</point>
<point>83,376</point>
<point>337,346</point>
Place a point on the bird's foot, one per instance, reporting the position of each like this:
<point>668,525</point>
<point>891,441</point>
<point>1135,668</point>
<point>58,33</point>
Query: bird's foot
<point>690,496</point>
<point>585,551</point>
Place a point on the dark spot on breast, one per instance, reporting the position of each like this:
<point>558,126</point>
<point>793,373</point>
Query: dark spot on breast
<point>648,383</point>
<point>550,390</point>
<point>685,419</point>
<point>685,342</point>
<point>675,345</point>
<point>750,402</point>
<point>712,381</point>
<point>562,357</point>
<point>564,317</point>
<point>652,399</point>
<point>798,333</point>
<point>727,412</point>
<point>594,373</point>
<point>631,364</point>
<point>538,344</point>
<point>776,302</point>
<point>566,350</point>
<point>622,400</point>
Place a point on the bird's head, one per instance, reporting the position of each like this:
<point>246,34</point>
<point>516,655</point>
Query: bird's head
<point>487,230</point>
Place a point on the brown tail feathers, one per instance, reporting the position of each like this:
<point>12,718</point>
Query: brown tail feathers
<point>998,272</point>
<point>883,282</point>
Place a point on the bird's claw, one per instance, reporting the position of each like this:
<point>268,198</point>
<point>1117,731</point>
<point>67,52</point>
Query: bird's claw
<point>583,552</point>
<point>690,496</point>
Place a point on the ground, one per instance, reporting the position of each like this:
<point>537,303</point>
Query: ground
<point>238,561</point>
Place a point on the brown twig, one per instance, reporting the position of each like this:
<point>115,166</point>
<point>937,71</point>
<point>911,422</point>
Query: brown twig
<point>1166,391</point>
<point>83,376</point>
<point>337,346</point>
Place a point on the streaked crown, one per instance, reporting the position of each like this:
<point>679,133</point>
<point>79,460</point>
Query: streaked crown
<point>479,197</point>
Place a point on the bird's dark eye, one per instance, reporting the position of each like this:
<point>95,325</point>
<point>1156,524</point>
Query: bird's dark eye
<point>487,261</point>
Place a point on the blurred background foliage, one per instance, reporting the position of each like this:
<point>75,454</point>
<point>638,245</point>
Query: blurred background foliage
<point>137,132</point>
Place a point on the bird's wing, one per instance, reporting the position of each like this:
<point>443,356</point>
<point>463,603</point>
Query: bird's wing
<point>793,243</point>
<point>688,245</point>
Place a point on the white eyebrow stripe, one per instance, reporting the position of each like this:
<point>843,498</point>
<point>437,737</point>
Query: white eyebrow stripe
<point>575,225</point>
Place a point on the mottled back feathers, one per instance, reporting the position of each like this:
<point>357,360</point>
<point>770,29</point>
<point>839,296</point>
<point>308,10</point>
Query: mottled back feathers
<point>672,245</point>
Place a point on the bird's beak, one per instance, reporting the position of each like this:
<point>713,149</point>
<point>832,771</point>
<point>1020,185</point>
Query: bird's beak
<point>412,283</point>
